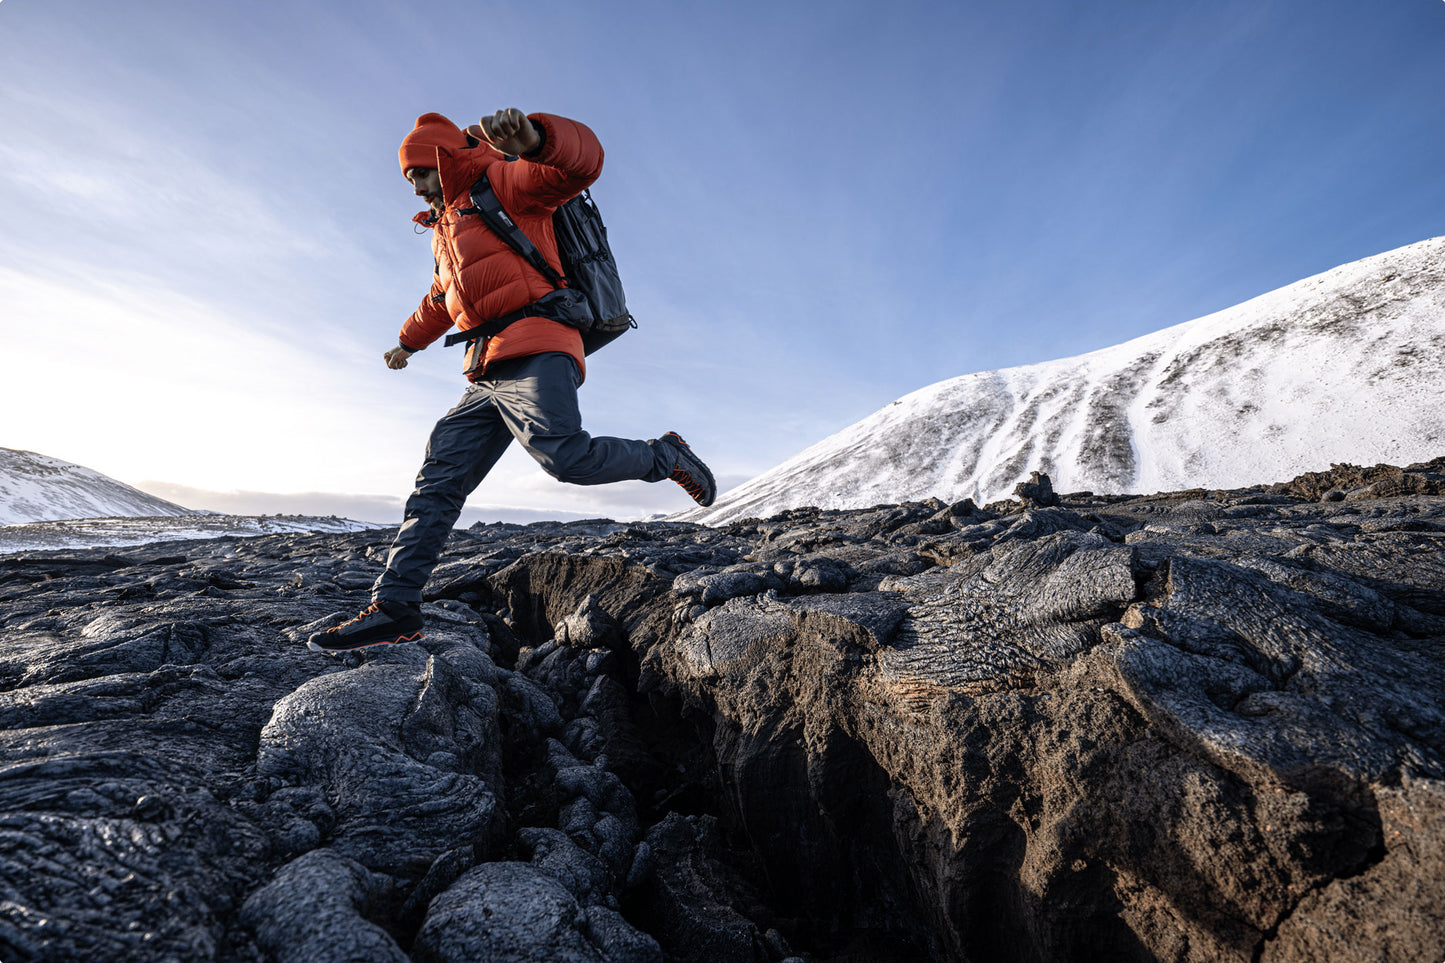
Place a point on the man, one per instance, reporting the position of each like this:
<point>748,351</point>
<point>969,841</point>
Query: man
<point>524,379</point>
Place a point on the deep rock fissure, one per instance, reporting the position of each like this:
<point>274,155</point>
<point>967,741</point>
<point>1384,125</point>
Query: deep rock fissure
<point>679,773</point>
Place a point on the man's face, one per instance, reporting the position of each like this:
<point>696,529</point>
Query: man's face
<point>427,183</point>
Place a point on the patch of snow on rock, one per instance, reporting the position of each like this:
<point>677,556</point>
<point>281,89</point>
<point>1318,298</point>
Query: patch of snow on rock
<point>116,532</point>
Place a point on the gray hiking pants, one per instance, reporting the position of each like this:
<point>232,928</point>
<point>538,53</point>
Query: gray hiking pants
<point>533,400</point>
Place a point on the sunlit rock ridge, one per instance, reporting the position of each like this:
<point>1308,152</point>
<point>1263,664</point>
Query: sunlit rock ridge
<point>1346,366</point>
<point>35,488</point>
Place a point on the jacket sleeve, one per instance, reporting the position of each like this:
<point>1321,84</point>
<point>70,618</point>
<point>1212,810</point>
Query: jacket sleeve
<point>569,161</point>
<point>429,321</point>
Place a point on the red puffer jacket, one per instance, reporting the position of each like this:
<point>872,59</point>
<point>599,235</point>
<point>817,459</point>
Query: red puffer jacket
<point>478,277</point>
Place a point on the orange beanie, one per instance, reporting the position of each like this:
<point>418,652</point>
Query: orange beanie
<point>418,149</point>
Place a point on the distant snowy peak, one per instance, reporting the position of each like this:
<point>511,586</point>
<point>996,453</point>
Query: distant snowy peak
<point>1346,366</point>
<point>36,488</point>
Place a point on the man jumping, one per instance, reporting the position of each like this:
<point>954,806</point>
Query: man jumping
<point>524,379</point>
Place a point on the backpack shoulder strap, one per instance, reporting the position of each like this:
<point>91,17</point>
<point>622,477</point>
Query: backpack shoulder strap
<point>486,205</point>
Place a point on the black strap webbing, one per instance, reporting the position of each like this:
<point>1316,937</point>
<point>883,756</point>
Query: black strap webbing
<point>486,205</point>
<point>489,328</point>
<point>547,306</point>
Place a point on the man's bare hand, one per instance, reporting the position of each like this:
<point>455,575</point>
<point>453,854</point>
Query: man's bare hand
<point>396,357</point>
<point>509,131</point>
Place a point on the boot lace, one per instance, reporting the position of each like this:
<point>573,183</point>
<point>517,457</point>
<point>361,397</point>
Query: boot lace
<point>369,610</point>
<point>688,483</point>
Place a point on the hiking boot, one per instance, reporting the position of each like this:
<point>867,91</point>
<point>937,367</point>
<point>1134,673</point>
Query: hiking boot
<point>689,471</point>
<point>381,623</point>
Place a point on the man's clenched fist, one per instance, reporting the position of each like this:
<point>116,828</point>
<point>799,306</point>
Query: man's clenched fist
<point>509,131</point>
<point>396,357</point>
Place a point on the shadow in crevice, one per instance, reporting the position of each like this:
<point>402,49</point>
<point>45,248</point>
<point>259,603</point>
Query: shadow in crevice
<point>818,822</point>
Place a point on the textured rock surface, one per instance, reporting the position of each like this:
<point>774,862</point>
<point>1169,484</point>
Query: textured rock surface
<point>1195,726</point>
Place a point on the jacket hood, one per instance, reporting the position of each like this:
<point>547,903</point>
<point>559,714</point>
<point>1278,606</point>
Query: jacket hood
<point>459,169</point>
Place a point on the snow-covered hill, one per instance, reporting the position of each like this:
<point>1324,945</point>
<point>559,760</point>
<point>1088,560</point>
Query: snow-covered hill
<point>1346,366</point>
<point>36,488</point>
<point>48,504</point>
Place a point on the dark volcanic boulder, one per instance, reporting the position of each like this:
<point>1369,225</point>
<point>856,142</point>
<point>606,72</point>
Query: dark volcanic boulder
<point>403,753</point>
<point>517,913</point>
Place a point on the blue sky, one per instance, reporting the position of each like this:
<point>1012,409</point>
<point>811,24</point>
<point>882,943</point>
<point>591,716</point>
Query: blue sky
<point>205,241</point>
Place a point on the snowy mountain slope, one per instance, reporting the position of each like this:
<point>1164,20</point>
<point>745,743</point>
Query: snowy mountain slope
<point>1346,366</point>
<point>48,504</point>
<point>38,488</point>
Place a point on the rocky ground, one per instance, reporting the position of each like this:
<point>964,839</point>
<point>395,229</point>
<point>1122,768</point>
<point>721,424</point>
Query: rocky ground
<point>1195,726</point>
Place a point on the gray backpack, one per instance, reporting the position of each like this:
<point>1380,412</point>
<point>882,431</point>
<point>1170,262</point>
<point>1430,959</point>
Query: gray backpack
<point>592,301</point>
